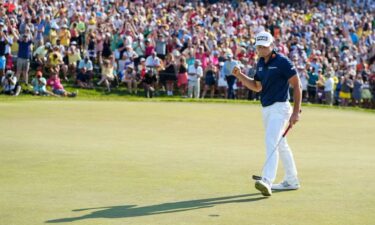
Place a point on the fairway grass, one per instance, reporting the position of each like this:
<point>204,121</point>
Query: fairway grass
<point>115,162</point>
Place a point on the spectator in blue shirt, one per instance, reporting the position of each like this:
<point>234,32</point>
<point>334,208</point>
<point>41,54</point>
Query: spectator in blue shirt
<point>23,60</point>
<point>229,77</point>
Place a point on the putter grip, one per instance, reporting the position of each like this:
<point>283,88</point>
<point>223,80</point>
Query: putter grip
<point>255,177</point>
<point>287,130</point>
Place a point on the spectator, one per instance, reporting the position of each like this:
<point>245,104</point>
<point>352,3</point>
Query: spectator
<point>107,74</point>
<point>74,57</point>
<point>169,75</point>
<point>366,95</point>
<point>154,63</point>
<point>142,68</point>
<point>107,52</point>
<point>320,86</point>
<point>357,90</point>
<point>345,93</point>
<point>55,62</point>
<point>4,40</point>
<point>148,83</point>
<point>39,84</point>
<point>222,85</point>
<point>65,36</point>
<point>312,84</point>
<point>40,54</point>
<point>161,46</point>
<point>302,73</point>
<point>57,88</point>
<point>227,71</point>
<point>329,88</point>
<point>210,76</point>
<point>139,48</point>
<point>23,58</point>
<point>10,84</point>
<point>195,73</point>
<point>182,80</point>
<point>85,73</point>
<point>53,36</point>
<point>130,79</point>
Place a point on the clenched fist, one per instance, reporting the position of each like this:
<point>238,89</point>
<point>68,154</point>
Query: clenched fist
<point>236,71</point>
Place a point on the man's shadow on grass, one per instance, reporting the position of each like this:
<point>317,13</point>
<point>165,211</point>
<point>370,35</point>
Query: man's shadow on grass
<point>124,211</point>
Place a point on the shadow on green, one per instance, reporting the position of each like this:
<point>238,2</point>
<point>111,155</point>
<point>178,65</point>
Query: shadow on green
<point>124,211</point>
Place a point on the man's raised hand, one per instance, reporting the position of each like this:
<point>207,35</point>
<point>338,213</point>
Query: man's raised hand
<point>236,71</point>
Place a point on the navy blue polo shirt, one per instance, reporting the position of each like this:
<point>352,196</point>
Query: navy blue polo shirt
<point>2,47</point>
<point>274,76</point>
<point>24,51</point>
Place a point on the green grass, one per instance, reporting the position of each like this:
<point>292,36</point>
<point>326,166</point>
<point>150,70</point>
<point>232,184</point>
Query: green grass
<point>87,161</point>
<point>121,94</point>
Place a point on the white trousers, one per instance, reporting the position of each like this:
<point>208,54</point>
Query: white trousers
<point>275,120</point>
<point>194,88</point>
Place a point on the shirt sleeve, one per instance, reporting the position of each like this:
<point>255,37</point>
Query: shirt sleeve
<point>256,76</point>
<point>200,71</point>
<point>288,68</point>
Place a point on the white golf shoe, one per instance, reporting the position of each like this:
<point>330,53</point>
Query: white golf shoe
<point>285,185</point>
<point>263,187</point>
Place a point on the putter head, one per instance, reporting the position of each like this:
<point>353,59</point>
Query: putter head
<point>255,177</point>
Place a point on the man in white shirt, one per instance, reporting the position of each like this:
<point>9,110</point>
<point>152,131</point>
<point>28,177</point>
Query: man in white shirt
<point>41,52</point>
<point>195,72</point>
<point>153,61</point>
<point>329,87</point>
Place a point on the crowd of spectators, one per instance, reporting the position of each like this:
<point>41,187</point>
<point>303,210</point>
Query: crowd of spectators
<point>185,48</point>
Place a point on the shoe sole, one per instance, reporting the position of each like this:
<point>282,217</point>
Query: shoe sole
<point>285,189</point>
<point>262,189</point>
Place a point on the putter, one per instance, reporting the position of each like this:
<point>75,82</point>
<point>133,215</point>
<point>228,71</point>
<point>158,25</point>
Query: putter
<point>255,177</point>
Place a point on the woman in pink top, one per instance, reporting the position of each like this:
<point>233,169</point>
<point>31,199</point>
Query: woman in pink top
<point>214,58</point>
<point>202,56</point>
<point>57,88</point>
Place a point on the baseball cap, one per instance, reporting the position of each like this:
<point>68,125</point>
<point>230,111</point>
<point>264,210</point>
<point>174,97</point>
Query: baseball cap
<point>264,39</point>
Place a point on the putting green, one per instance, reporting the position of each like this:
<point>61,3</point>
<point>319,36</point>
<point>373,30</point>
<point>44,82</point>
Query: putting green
<point>97,162</point>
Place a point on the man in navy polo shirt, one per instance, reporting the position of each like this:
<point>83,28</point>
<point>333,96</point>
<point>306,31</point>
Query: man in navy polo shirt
<point>274,74</point>
<point>23,57</point>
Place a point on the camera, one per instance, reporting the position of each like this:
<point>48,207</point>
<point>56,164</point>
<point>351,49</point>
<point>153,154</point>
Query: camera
<point>9,74</point>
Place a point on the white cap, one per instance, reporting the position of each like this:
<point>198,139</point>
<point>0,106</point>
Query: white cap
<point>264,39</point>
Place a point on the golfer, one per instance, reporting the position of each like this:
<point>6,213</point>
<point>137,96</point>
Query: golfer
<point>274,74</point>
